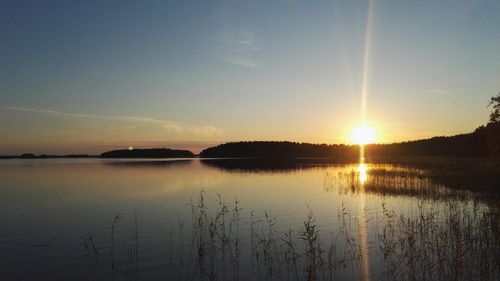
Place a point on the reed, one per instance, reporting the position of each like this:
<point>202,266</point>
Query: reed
<point>455,242</point>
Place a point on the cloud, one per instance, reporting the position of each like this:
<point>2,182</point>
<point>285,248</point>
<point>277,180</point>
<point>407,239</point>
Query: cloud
<point>167,125</point>
<point>240,48</point>
<point>436,92</point>
<point>242,42</point>
<point>241,61</point>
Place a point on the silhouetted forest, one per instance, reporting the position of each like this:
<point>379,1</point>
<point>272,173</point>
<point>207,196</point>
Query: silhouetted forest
<point>483,142</point>
<point>474,144</point>
<point>148,153</point>
<point>278,149</point>
<point>46,156</point>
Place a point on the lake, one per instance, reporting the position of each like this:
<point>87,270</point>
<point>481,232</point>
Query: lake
<point>237,219</point>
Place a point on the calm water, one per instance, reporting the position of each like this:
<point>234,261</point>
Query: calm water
<point>134,220</point>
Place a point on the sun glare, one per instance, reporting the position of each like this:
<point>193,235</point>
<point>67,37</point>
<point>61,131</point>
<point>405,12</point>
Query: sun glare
<point>362,135</point>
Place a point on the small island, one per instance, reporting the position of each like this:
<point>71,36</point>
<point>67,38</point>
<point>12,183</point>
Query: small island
<point>147,153</point>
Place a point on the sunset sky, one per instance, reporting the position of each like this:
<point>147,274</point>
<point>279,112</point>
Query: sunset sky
<point>89,76</point>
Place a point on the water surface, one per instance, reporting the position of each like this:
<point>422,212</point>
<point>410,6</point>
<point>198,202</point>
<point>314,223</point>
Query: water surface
<point>91,219</point>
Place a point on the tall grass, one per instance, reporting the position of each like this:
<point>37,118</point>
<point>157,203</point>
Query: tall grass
<point>392,180</point>
<point>454,242</point>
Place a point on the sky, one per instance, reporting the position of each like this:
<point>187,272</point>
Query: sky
<point>90,76</point>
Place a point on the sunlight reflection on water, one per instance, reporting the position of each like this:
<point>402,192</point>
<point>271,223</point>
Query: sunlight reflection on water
<point>50,206</point>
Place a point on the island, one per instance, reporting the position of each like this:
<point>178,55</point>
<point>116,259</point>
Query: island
<point>147,153</point>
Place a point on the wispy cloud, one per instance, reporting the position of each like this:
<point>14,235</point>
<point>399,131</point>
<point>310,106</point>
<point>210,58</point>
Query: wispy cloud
<point>436,92</point>
<point>242,42</point>
<point>240,48</point>
<point>167,125</point>
<point>241,61</point>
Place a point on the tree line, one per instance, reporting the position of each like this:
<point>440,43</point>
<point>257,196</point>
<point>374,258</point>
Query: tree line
<point>483,142</point>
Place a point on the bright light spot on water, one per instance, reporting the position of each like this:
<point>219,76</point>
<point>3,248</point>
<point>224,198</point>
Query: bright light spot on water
<point>363,176</point>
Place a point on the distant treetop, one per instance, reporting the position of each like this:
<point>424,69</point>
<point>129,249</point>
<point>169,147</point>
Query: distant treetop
<point>495,104</point>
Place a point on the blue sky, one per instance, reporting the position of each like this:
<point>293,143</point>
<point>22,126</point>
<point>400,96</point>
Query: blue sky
<point>82,76</point>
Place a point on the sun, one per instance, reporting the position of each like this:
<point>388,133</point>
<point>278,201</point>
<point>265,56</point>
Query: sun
<point>362,134</point>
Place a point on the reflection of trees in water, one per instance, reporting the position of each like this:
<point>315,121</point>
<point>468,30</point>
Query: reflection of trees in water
<point>268,165</point>
<point>383,179</point>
